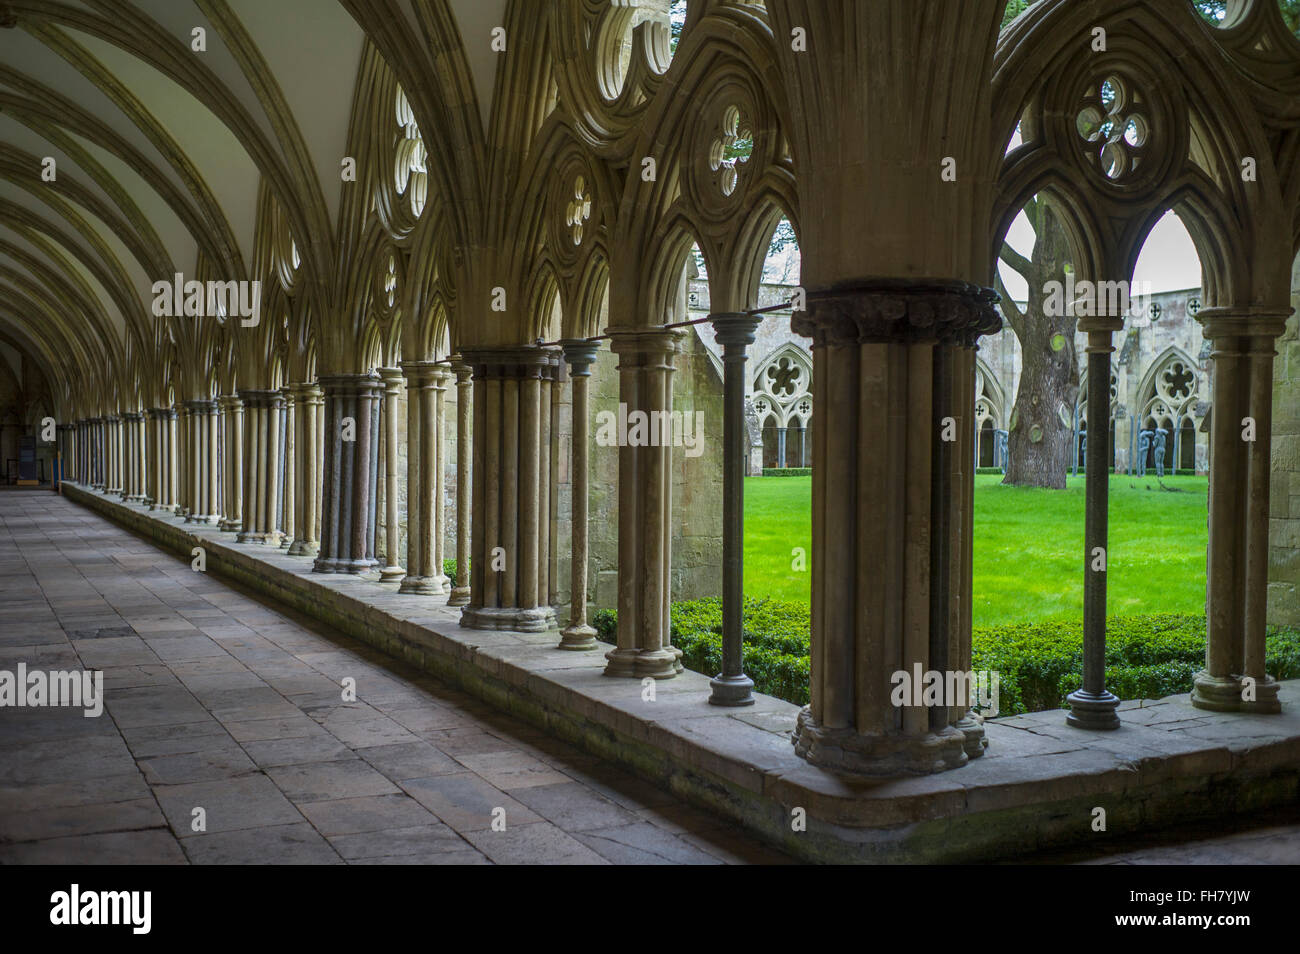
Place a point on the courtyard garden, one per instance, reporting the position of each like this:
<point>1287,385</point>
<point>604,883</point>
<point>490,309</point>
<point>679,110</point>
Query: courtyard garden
<point>1028,591</point>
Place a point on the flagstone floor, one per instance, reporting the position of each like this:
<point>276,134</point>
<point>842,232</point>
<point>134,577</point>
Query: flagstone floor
<point>217,702</point>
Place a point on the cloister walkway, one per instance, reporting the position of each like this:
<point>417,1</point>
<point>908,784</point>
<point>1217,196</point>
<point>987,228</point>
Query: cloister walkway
<point>216,701</point>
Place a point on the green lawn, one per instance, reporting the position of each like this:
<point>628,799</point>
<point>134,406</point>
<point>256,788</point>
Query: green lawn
<point>1028,546</point>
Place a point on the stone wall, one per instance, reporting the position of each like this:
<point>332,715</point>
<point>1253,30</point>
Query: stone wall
<point>1284,505</point>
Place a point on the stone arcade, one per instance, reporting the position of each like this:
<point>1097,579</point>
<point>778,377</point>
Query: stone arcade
<point>415,419</point>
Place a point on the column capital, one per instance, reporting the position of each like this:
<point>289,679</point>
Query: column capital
<point>230,402</point>
<point>735,330</point>
<point>517,362</point>
<point>462,370</point>
<point>392,379</point>
<point>642,340</point>
<point>349,384</point>
<point>262,398</point>
<point>308,392</point>
<point>201,406</point>
<point>580,353</point>
<point>1242,321</point>
<point>901,310</point>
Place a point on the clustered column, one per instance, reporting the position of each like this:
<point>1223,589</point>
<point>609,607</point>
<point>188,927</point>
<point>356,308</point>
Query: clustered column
<point>307,468</point>
<point>164,483</point>
<point>392,379</point>
<point>644,647</point>
<point>113,443</point>
<point>510,558</point>
<point>885,599</point>
<point>288,457</point>
<point>426,387</point>
<point>201,461</point>
<point>232,466</point>
<point>351,463</point>
<point>1234,678</point>
<point>460,593</point>
<point>262,411</point>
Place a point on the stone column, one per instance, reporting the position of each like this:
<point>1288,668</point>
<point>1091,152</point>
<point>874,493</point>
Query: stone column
<point>644,507</point>
<point>232,462</point>
<point>734,332</point>
<point>392,379</point>
<point>511,488</point>
<point>204,461</point>
<point>143,468</point>
<point>882,603</point>
<point>306,469</point>
<point>580,355</point>
<point>212,462</point>
<point>557,381</point>
<point>288,515</point>
<point>261,466</point>
<point>460,594</point>
<point>441,379</point>
<point>1234,678</point>
<point>173,460</point>
<point>1093,706</point>
<point>347,504</point>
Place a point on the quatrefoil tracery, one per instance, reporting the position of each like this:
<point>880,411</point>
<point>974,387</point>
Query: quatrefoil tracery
<point>731,148</point>
<point>1114,122</point>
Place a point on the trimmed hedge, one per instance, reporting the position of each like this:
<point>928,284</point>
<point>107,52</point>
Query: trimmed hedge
<point>787,471</point>
<point>1039,664</point>
<point>449,567</point>
<point>775,642</point>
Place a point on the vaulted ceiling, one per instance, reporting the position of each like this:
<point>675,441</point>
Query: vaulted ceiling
<point>126,153</point>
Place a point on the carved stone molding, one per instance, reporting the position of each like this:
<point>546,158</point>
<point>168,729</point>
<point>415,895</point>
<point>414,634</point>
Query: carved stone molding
<point>899,310</point>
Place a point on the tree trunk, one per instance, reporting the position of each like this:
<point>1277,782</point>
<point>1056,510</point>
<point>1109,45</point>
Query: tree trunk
<point>1039,435</point>
<point>1048,381</point>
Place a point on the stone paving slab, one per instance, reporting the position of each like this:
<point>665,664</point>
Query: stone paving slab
<point>1169,762</point>
<point>240,713</point>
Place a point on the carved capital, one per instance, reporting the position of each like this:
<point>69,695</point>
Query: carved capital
<point>898,310</point>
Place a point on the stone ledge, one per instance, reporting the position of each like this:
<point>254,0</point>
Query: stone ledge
<point>1034,789</point>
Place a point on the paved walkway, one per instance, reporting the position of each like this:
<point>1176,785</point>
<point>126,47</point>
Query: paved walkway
<point>217,702</point>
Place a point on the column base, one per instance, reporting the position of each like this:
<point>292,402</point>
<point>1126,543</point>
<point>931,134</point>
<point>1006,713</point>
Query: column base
<point>1216,693</point>
<point>536,620</point>
<point>1225,694</point>
<point>878,755</point>
<point>580,637</point>
<point>302,547</point>
<point>419,585</point>
<point>269,538</point>
<point>1093,710</point>
<point>231,524</point>
<point>208,519</point>
<point>459,596</point>
<point>976,739</point>
<point>640,663</point>
<point>391,574</point>
<point>731,690</point>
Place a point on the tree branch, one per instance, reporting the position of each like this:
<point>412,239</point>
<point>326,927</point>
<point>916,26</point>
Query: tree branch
<point>1015,317</point>
<point>1016,261</point>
